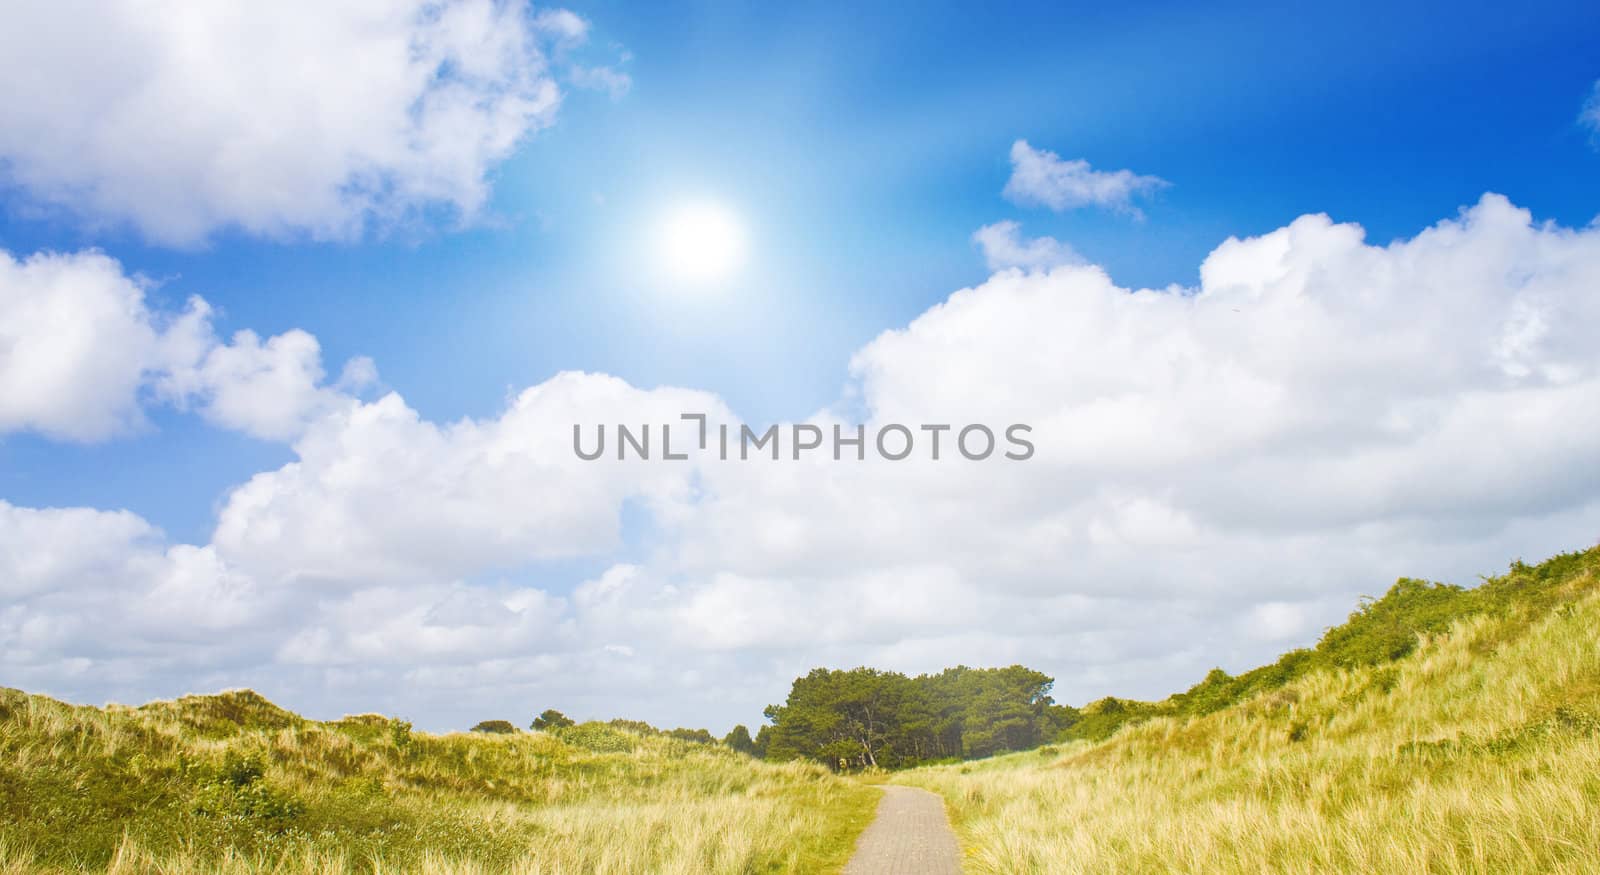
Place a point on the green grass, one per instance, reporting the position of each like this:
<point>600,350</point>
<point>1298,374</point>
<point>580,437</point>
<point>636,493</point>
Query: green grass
<point>232,783</point>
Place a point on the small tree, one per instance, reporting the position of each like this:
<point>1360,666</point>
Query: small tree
<point>501,727</point>
<point>739,740</point>
<point>551,720</point>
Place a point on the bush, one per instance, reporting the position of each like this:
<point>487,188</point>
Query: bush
<point>241,769</point>
<point>501,727</point>
<point>597,737</point>
<point>238,791</point>
<point>1386,629</point>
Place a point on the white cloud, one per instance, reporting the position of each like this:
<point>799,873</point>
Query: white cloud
<point>1219,472</point>
<point>612,81</point>
<point>82,352</point>
<point>1318,417</point>
<point>55,550</point>
<point>94,598</point>
<point>270,389</point>
<point>359,374</point>
<point>379,494</point>
<point>1041,178</point>
<point>283,119</point>
<point>77,343</point>
<point>564,25</point>
<point>1002,246</point>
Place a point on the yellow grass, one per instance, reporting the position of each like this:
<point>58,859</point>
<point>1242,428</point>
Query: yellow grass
<point>144,791</point>
<point>1478,753</point>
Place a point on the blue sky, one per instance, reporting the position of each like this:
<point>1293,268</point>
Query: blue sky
<point>866,145</point>
<point>862,147</point>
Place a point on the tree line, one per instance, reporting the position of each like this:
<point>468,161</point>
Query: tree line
<point>863,717</point>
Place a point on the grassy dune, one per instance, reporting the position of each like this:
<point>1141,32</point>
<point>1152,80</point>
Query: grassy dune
<point>233,784</point>
<point>1440,729</point>
<point>1479,751</point>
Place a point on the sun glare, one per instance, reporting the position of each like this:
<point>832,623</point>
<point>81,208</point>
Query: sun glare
<point>701,243</point>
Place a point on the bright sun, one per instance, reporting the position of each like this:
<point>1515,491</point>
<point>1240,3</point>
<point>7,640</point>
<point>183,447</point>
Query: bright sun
<point>701,243</point>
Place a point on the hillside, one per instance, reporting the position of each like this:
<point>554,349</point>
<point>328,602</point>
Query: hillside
<point>231,783</point>
<point>1439,730</point>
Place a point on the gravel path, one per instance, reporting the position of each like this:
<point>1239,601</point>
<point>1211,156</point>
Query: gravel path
<point>910,836</point>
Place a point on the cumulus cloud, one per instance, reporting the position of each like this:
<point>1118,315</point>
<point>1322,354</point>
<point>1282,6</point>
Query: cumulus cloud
<point>63,549</point>
<point>270,389</point>
<point>77,344</point>
<point>1002,246</point>
<point>95,600</point>
<point>378,493</point>
<point>301,118</point>
<point>1040,177</point>
<point>82,352</point>
<point>1220,471</point>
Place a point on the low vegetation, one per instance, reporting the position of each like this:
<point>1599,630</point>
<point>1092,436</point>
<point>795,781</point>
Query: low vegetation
<point>1440,729</point>
<point>233,784</point>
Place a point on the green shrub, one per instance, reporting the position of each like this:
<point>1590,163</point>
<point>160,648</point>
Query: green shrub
<point>1386,629</point>
<point>242,769</point>
<point>400,735</point>
<point>597,737</point>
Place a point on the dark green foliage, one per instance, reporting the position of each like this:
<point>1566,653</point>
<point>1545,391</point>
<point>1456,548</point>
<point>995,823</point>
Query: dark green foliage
<point>696,736</point>
<point>865,718</point>
<point>739,739</point>
<point>550,718</point>
<point>500,727</point>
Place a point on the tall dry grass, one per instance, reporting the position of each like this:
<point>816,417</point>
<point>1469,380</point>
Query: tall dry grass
<point>1478,753</point>
<point>232,784</point>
